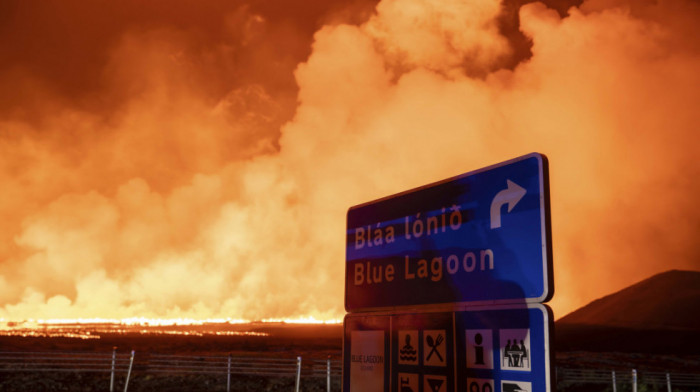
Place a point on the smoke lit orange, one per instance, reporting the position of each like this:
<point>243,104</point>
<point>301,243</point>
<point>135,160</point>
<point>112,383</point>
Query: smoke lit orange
<point>196,163</point>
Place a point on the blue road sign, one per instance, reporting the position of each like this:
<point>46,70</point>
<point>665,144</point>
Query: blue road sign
<point>504,348</point>
<point>483,237</point>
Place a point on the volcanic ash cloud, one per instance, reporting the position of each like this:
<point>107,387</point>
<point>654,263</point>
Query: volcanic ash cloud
<point>416,94</point>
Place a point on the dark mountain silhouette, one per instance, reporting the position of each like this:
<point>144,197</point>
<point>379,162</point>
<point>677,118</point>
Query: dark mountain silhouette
<point>658,315</point>
<point>669,300</point>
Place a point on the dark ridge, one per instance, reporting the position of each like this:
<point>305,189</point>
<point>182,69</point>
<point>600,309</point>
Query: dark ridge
<point>669,300</point>
<point>658,315</point>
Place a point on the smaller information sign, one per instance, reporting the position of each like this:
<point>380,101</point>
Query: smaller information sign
<point>484,349</point>
<point>366,353</point>
<point>367,361</point>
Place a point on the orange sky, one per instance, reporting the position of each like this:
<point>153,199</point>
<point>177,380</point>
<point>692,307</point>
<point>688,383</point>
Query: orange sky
<point>181,159</point>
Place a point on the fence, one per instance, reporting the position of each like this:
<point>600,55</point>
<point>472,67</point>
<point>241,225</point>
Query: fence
<point>121,365</point>
<point>632,378</point>
<point>80,362</point>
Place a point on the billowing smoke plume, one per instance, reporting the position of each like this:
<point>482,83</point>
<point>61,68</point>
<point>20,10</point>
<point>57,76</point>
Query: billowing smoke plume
<point>167,165</point>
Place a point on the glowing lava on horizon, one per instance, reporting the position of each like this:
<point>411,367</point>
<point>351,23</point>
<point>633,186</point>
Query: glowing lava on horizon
<point>95,328</point>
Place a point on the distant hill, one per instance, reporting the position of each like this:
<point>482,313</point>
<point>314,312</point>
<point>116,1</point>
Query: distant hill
<point>659,314</point>
<point>669,300</point>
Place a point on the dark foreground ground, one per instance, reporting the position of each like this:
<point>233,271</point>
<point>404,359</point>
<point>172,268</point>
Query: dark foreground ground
<point>311,342</point>
<point>92,382</point>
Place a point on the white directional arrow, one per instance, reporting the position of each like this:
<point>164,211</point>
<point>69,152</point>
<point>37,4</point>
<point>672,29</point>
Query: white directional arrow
<point>510,195</point>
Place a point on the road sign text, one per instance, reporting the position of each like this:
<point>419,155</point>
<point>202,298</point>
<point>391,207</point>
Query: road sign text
<point>433,269</point>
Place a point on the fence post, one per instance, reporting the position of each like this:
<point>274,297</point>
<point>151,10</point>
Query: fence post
<point>668,382</point>
<point>114,360</point>
<point>614,381</point>
<point>128,373</point>
<point>328,374</point>
<point>634,380</point>
<point>298,374</point>
<point>228,375</point>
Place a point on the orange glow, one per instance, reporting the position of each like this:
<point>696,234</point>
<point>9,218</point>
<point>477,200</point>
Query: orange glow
<point>303,320</point>
<point>96,327</point>
<point>148,322</point>
<point>143,321</point>
<point>195,163</point>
